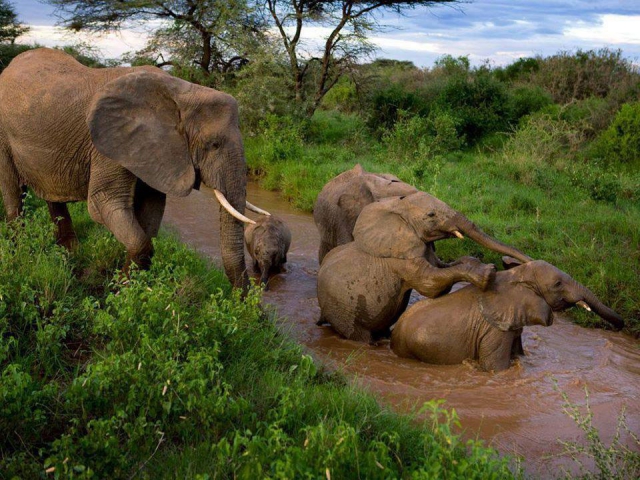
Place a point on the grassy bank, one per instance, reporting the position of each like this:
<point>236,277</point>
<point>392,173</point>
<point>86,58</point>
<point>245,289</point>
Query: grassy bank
<point>168,374</point>
<point>582,217</point>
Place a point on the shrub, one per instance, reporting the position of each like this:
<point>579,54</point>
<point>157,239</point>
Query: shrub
<point>480,102</point>
<point>575,76</point>
<point>542,138</point>
<point>520,69</point>
<point>525,100</point>
<point>620,143</point>
<point>9,51</point>
<point>390,103</point>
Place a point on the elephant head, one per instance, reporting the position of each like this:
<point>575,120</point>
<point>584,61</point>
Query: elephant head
<point>556,290</point>
<point>342,199</point>
<point>172,134</point>
<point>404,227</point>
<point>364,188</point>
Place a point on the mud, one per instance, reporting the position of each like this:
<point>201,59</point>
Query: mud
<point>519,411</point>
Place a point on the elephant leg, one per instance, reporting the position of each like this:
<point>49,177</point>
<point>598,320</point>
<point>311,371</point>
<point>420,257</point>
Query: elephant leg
<point>149,208</point>
<point>65,235</point>
<point>122,222</point>
<point>433,282</point>
<point>111,202</point>
<point>12,192</point>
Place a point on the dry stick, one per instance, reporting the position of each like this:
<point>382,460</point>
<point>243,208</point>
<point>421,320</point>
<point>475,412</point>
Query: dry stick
<point>148,459</point>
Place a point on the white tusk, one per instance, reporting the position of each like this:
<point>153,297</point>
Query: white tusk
<point>227,206</point>
<point>584,305</point>
<point>253,208</point>
<point>458,234</point>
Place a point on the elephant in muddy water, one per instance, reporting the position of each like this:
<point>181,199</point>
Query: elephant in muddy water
<point>342,199</point>
<point>485,325</point>
<point>364,286</point>
<point>121,139</point>
<point>268,241</point>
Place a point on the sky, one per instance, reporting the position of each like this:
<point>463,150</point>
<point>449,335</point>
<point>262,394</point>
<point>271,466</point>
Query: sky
<point>498,30</point>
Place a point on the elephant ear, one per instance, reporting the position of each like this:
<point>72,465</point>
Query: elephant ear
<point>135,122</point>
<point>513,308</point>
<point>382,232</point>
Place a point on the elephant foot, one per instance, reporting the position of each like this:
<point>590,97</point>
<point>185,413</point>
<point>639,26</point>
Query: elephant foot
<point>482,275</point>
<point>68,241</point>
<point>141,258</point>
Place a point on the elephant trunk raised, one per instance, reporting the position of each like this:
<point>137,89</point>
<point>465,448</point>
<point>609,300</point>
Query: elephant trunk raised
<point>596,306</point>
<point>468,228</point>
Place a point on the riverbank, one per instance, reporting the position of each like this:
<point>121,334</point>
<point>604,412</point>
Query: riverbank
<point>169,374</point>
<point>583,218</point>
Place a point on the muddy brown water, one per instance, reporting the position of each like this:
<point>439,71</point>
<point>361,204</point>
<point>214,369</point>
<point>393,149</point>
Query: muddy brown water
<point>519,411</point>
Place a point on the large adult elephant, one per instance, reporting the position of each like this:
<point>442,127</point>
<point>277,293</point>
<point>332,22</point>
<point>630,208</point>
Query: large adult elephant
<point>121,139</point>
<point>486,325</point>
<point>364,286</point>
<point>342,199</point>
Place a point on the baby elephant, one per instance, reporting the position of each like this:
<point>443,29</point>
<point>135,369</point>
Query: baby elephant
<point>268,242</point>
<point>486,325</point>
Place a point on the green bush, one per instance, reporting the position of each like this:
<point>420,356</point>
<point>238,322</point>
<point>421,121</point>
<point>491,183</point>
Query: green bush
<point>525,100</point>
<point>542,138</point>
<point>620,143</point>
<point>388,104</point>
<point>518,70</point>
<point>479,102</point>
<point>582,74</point>
<point>8,51</point>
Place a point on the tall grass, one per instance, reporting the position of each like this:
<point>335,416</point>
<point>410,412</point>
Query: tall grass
<point>168,373</point>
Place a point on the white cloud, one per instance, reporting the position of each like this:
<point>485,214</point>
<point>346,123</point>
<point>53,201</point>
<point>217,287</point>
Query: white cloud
<point>111,45</point>
<point>386,43</point>
<point>612,29</point>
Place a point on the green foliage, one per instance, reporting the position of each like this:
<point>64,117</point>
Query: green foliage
<point>342,97</point>
<point>10,27</point>
<point>518,70</point>
<point>525,100</point>
<point>8,51</point>
<point>387,104</point>
<point>571,76</point>
<point>614,461</point>
<point>620,143</point>
<point>480,103</point>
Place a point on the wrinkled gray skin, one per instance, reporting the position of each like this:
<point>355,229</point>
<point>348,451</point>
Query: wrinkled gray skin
<point>485,325</point>
<point>342,199</point>
<point>364,286</point>
<point>268,242</point>
<point>121,139</point>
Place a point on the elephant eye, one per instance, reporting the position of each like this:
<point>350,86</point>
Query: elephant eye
<point>431,214</point>
<point>558,283</point>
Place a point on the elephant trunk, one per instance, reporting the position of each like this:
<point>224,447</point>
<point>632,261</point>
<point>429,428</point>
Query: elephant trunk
<point>467,227</point>
<point>233,185</point>
<point>598,307</point>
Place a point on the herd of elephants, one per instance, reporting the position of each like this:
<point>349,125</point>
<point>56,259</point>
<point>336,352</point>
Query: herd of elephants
<point>123,138</point>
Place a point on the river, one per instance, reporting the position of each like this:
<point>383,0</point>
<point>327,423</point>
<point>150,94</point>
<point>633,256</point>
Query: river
<point>518,411</point>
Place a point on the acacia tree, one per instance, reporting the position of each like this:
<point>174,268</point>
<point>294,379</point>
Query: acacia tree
<point>210,33</point>
<point>349,23</point>
<point>10,27</point>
